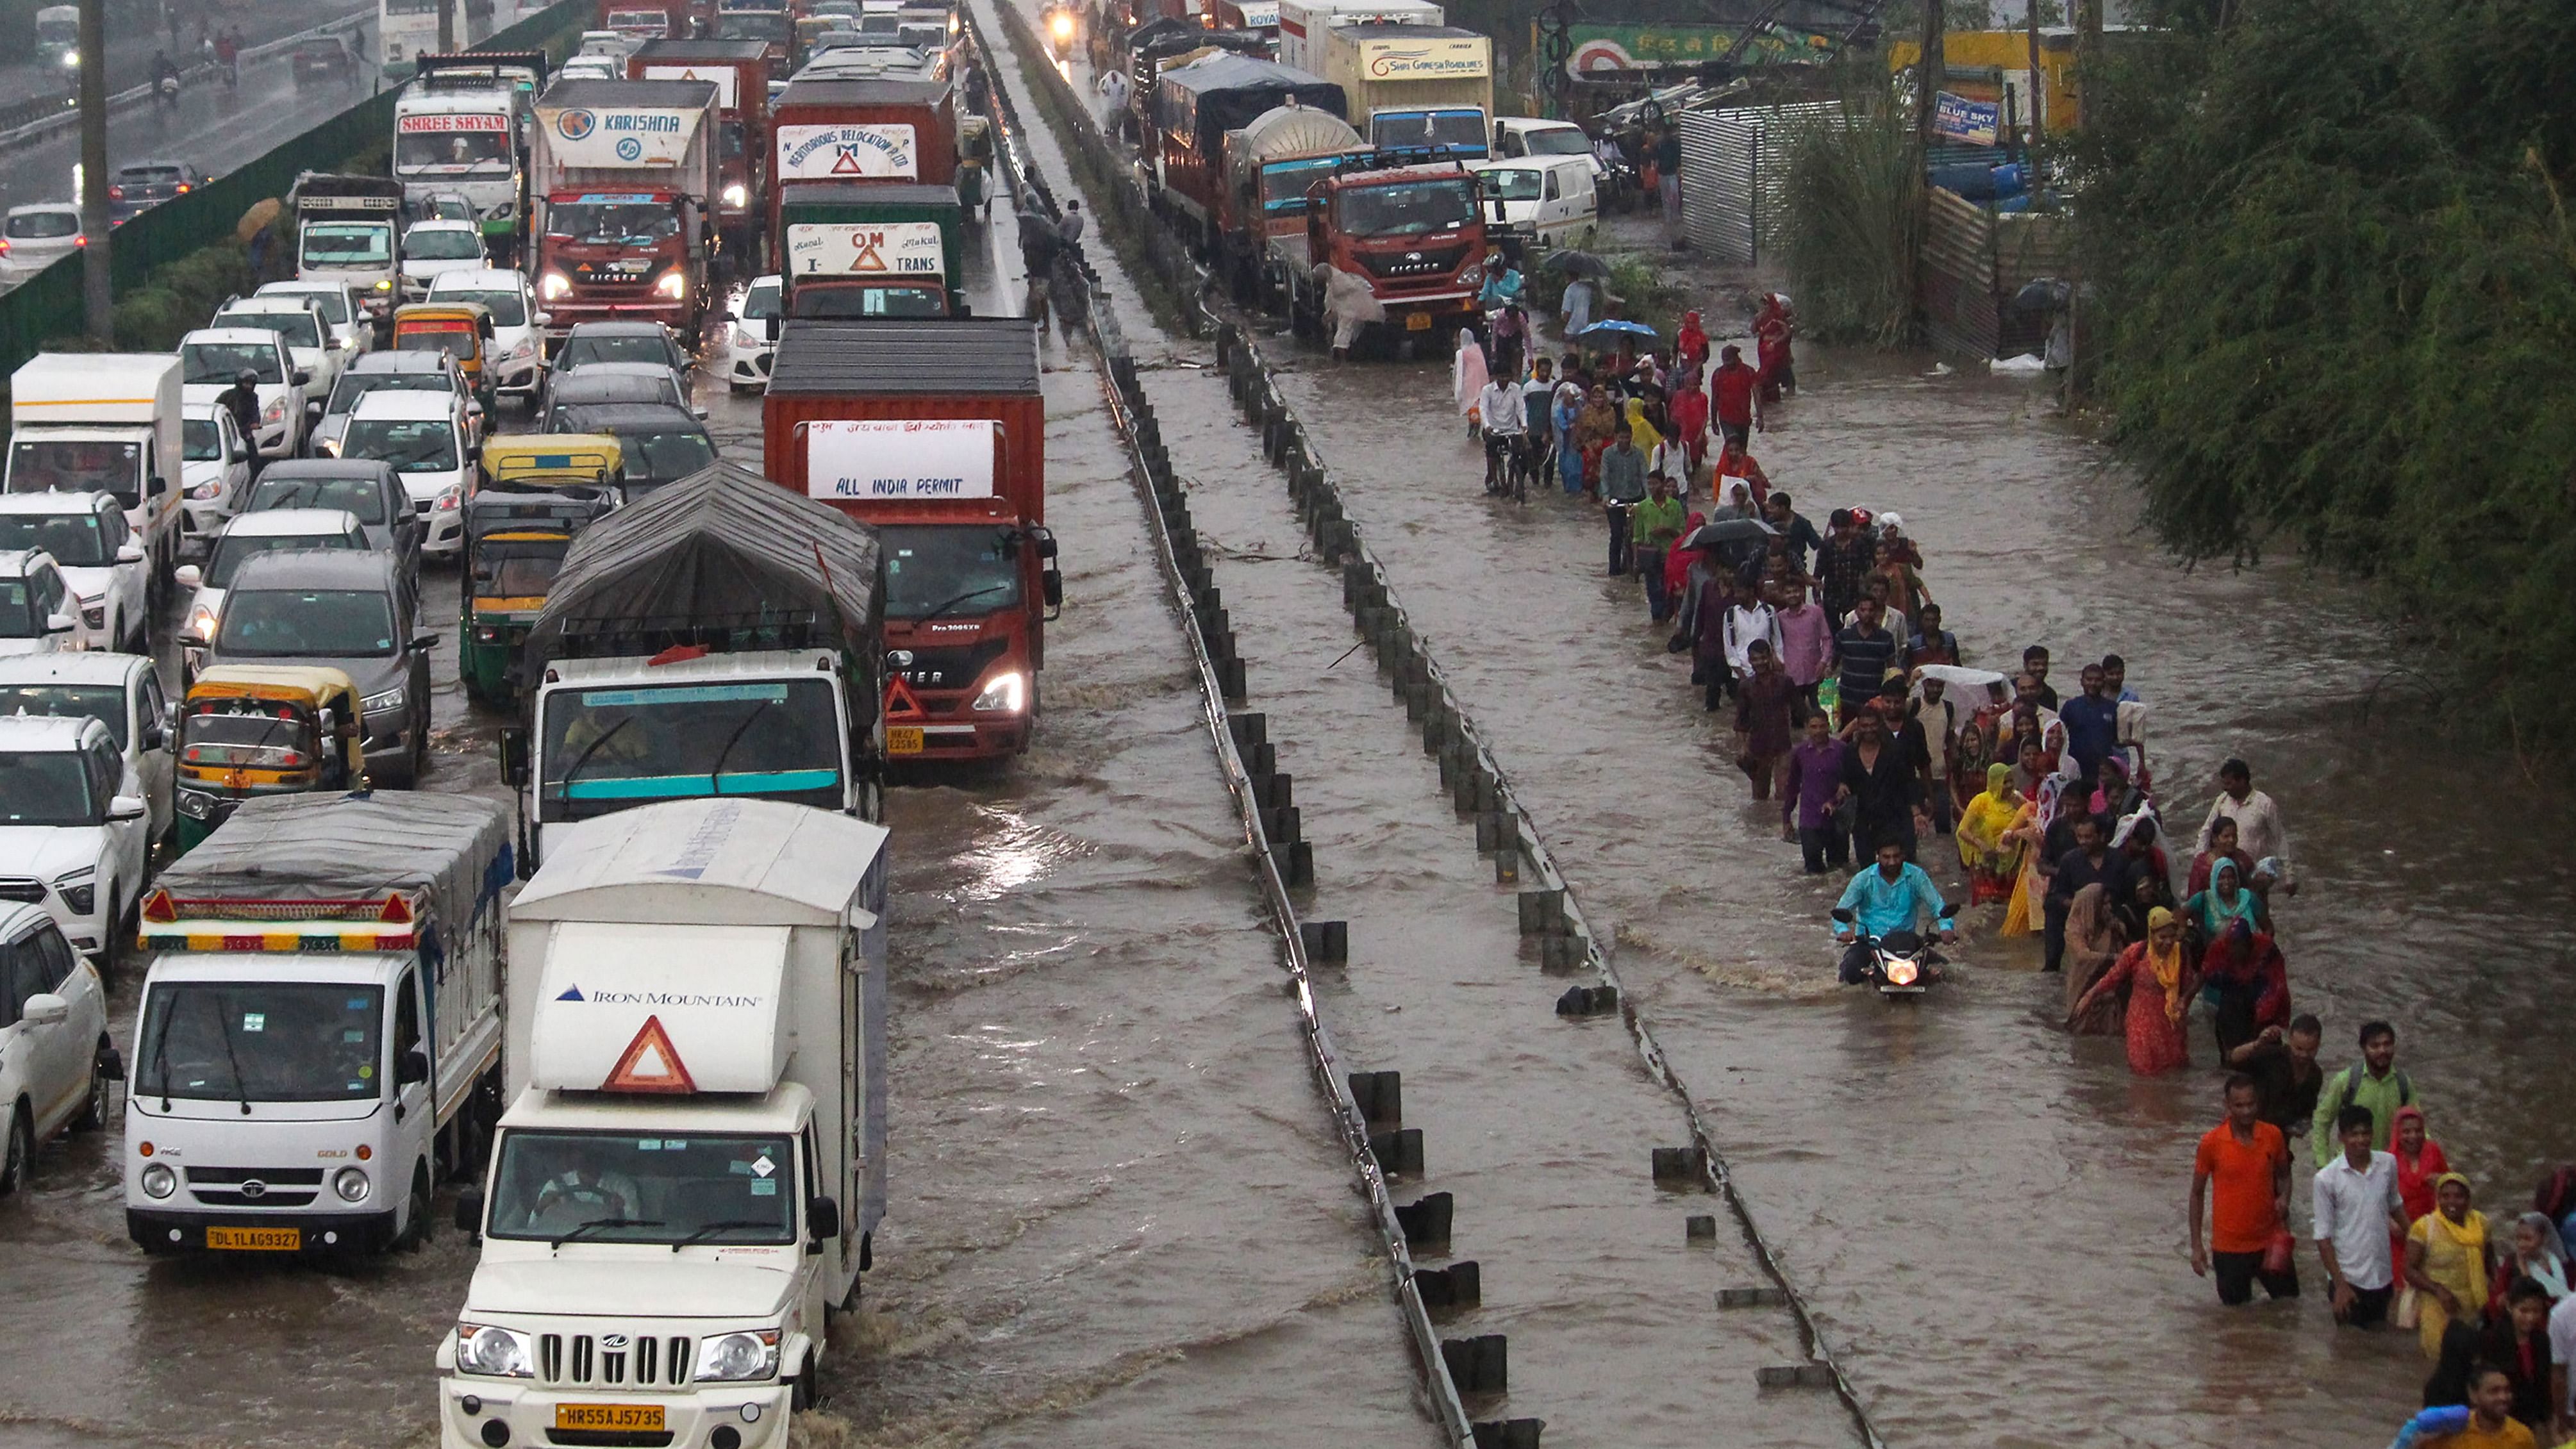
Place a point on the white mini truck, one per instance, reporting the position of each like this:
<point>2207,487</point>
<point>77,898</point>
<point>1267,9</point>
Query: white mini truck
<point>323,1023</point>
<point>693,1162</point>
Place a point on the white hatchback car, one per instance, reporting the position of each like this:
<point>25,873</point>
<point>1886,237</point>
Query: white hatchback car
<point>75,832</point>
<point>428,439</point>
<point>516,356</point>
<point>276,530</point>
<point>33,238</point>
<point>745,337</point>
<point>36,614</point>
<point>214,478</point>
<point>55,1061</point>
<point>100,558</point>
<point>431,249</point>
<point>211,357</point>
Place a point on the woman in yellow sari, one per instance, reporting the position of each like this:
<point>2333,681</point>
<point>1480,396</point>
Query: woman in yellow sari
<point>1993,864</point>
<point>2448,1262</point>
<point>2029,828</point>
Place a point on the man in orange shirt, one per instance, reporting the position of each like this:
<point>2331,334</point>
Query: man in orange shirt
<point>2243,1172</point>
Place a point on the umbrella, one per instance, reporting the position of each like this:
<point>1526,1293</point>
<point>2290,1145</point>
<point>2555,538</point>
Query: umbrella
<point>2046,294</point>
<point>1729,530</point>
<point>1578,264</point>
<point>1960,677</point>
<point>1617,325</point>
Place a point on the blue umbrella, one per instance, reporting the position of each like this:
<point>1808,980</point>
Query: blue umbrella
<point>1633,329</point>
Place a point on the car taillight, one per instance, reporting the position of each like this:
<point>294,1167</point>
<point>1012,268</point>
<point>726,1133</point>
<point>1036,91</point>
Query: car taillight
<point>116,193</point>
<point>183,189</point>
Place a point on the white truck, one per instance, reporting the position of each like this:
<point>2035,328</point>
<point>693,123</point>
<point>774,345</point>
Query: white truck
<point>692,1168</point>
<point>1303,25</point>
<point>458,130</point>
<point>105,422</point>
<point>347,228</point>
<point>322,1025</point>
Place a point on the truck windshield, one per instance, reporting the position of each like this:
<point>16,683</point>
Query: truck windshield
<point>958,569</point>
<point>261,1041</point>
<point>235,549</point>
<point>349,244</point>
<point>76,467</point>
<point>1458,130</point>
<point>634,223</point>
<point>606,749</point>
<point>1408,208</point>
<point>771,25</point>
<point>307,624</point>
<point>219,363</point>
<point>451,153</point>
<point>74,539</point>
<point>102,702</point>
<point>623,1188</point>
<point>46,788</point>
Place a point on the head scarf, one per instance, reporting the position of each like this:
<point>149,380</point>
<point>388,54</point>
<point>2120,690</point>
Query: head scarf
<point>1641,432</point>
<point>1998,779</point>
<point>2108,798</point>
<point>2550,1247</point>
<point>1467,376</point>
<point>2052,791</point>
<point>2167,964</point>
<point>2398,1118</point>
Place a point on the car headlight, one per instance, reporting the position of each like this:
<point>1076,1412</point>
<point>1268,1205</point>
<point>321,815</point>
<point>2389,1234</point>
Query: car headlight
<point>1006,694</point>
<point>201,623</point>
<point>736,195</point>
<point>274,412</point>
<point>207,492</point>
<point>447,501</point>
<point>79,891</point>
<point>671,284</point>
<point>499,1353</point>
<point>553,285</point>
<point>159,1181</point>
<point>350,1183</point>
<point>390,699</point>
<point>94,612</point>
<point>196,804</point>
<point>734,1357</point>
<point>384,284</point>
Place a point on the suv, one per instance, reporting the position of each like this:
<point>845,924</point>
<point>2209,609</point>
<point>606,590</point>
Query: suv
<point>429,441</point>
<point>214,475</point>
<point>101,560</point>
<point>35,604</point>
<point>55,1063</point>
<point>368,490</point>
<point>120,691</point>
<point>432,372</point>
<point>35,237</point>
<point>309,338</point>
<point>280,530</point>
<point>142,185</point>
<point>342,312</point>
<point>515,357</point>
<point>347,611</point>
<point>211,357</point>
<point>74,828</point>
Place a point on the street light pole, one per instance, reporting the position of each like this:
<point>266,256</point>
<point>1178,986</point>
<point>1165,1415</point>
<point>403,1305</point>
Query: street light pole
<point>98,298</point>
<point>447,26</point>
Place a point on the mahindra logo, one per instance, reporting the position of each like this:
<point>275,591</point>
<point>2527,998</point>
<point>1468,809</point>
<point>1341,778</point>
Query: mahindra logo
<point>254,1188</point>
<point>612,1340</point>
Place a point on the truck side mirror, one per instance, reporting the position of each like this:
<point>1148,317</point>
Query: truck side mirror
<point>159,485</point>
<point>414,1067</point>
<point>822,1221</point>
<point>1051,584</point>
<point>469,1210</point>
<point>514,758</point>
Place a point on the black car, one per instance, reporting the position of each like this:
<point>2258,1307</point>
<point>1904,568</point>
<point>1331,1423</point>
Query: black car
<point>346,610</point>
<point>142,185</point>
<point>325,58</point>
<point>662,444</point>
<point>612,382</point>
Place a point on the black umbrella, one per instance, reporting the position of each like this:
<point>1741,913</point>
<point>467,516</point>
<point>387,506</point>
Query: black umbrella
<point>1729,530</point>
<point>2045,294</point>
<point>1578,264</point>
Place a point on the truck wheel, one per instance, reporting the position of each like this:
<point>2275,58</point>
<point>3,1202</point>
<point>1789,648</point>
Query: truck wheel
<point>415,1232</point>
<point>22,1150</point>
<point>800,1392</point>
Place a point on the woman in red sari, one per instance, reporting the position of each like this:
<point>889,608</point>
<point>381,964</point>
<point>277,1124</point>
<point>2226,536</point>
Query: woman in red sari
<point>2159,986</point>
<point>1689,414</point>
<point>2420,1165</point>
<point>1772,330</point>
<point>1690,347</point>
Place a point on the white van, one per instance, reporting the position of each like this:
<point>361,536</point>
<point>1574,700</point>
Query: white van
<point>1548,199</point>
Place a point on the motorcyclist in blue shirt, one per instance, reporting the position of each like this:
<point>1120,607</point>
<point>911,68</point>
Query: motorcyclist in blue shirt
<point>1893,895</point>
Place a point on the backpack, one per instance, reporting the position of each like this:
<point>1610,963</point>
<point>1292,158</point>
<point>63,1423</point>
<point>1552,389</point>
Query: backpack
<point>2352,1086</point>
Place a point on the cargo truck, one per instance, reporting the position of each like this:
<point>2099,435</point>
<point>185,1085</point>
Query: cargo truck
<point>739,70</point>
<point>1303,24</point>
<point>1425,89</point>
<point>692,1169</point>
<point>105,422</point>
<point>934,434</point>
<point>1414,234</point>
<point>1194,106</point>
<point>840,132</point>
<point>346,228</point>
<point>643,20</point>
<point>721,637</point>
<point>456,130</point>
<point>319,1038</point>
<point>884,249</point>
<point>1261,214</point>
<point>624,176</point>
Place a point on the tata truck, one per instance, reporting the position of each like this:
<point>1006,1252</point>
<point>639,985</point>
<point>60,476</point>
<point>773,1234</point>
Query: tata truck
<point>843,132</point>
<point>319,1037</point>
<point>720,638</point>
<point>1427,90</point>
<point>886,249</point>
<point>693,1166</point>
<point>624,179</point>
<point>1412,232</point>
<point>347,230</point>
<point>457,129</point>
<point>739,70</point>
<point>1194,106</point>
<point>933,433</point>
<point>1261,213</point>
<point>104,422</point>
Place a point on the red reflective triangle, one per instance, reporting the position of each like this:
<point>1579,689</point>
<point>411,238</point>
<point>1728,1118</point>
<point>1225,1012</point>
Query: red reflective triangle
<point>846,163</point>
<point>650,1064</point>
<point>901,702</point>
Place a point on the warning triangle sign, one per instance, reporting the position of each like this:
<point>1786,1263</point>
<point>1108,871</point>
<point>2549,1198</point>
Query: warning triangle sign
<point>847,162</point>
<point>901,702</point>
<point>649,1064</point>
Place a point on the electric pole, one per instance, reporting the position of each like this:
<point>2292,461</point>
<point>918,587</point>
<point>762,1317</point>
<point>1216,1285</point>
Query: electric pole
<point>98,297</point>
<point>447,26</point>
<point>1929,75</point>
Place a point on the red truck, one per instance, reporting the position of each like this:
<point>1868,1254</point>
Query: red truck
<point>1414,234</point>
<point>647,19</point>
<point>857,131</point>
<point>739,70</point>
<point>933,432</point>
<point>623,175</point>
<point>1195,105</point>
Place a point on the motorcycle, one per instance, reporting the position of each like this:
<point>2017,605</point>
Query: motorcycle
<point>166,92</point>
<point>1902,963</point>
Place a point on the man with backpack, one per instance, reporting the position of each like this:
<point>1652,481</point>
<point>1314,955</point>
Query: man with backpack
<point>2373,1082</point>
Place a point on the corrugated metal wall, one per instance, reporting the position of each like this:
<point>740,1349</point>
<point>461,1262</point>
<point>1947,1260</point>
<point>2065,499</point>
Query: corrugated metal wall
<point>1973,263</point>
<point>1731,177</point>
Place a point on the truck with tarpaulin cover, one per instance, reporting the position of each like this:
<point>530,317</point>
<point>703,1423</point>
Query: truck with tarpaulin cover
<point>934,434</point>
<point>693,1165</point>
<point>1261,221</point>
<point>319,1036</point>
<point>1194,106</point>
<point>884,249</point>
<point>720,638</point>
<point>624,179</point>
<point>843,132</point>
<point>739,70</point>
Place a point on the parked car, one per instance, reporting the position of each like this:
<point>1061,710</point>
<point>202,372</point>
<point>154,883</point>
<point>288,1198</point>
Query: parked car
<point>309,339</point>
<point>211,357</point>
<point>431,248</point>
<point>55,1061</point>
<point>745,341</point>
<point>33,238</point>
<point>214,471</point>
<point>428,440</point>
<point>103,562</point>
<point>364,488</point>
<point>325,58</point>
<point>281,530</point>
<point>35,604</point>
<point>594,342</point>
<point>75,833</point>
<point>139,186</point>
<point>120,691</point>
<point>516,357</point>
<point>662,444</point>
<point>432,372</point>
<point>345,611</point>
<point>615,382</point>
<point>342,312</point>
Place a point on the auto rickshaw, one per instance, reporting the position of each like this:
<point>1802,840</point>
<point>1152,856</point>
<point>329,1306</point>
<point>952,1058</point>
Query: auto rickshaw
<point>249,730</point>
<point>461,329</point>
<point>539,490</point>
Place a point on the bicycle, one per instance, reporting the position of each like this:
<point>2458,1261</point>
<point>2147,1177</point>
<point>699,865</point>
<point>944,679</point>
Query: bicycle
<point>1507,466</point>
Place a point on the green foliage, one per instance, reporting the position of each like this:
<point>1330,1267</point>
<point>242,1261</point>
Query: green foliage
<point>181,297</point>
<point>1847,217</point>
<point>2338,308</point>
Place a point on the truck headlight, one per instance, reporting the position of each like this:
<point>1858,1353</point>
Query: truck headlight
<point>671,284</point>
<point>736,195</point>
<point>196,804</point>
<point>734,1357</point>
<point>391,699</point>
<point>350,1183</point>
<point>1005,695</point>
<point>159,1181</point>
<point>1474,276</point>
<point>499,1353</point>
<point>79,891</point>
<point>553,285</point>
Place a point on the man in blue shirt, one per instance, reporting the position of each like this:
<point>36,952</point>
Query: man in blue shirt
<point>2092,721</point>
<point>1893,895</point>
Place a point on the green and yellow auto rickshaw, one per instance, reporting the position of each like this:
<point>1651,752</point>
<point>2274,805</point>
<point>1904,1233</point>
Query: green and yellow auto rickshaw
<point>261,729</point>
<point>539,490</point>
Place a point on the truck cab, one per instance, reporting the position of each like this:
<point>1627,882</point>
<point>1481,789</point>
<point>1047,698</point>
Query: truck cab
<point>459,131</point>
<point>112,422</point>
<point>1414,232</point>
<point>627,176</point>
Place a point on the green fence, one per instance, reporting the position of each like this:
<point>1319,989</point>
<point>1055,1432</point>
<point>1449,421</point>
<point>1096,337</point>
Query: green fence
<point>47,306</point>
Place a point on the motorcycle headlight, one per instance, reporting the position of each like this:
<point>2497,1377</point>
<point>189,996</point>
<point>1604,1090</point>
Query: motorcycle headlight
<point>499,1353</point>
<point>734,1357</point>
<point>391,699</point>
<point>80,896</point>
<point>553,285</point>
<point>350,1183</point>
<point>736,195</point>
<point>1005,695</point>
<point>671,284</point>
<point>159,1181</point>
<point>196,804</point>
<point>1901,973</point>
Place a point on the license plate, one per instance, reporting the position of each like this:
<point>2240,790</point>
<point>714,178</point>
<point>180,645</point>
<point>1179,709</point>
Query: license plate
<point>646,1417</point>
<point>1418,322</point>
<point>903,739</point>
<point>257,1240</point>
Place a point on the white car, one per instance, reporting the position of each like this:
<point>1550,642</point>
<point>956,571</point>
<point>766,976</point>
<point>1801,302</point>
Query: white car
<point>430,249</point>
<point>515,358</point>
<point>211,357</point>
<point>277,530</point>
<point>120,691</point>
<point>36,609</point>
<point>309,338</point>
<point>341,310</point>
<point>33,238</point>
<point>1548,198</point>
<point>55,1061</point>
<point>591,67</point>
<point>86,536</point>
<point>745,337</point>
<point>428,439</point>
<point>75,832</point>
<point>214,477</point>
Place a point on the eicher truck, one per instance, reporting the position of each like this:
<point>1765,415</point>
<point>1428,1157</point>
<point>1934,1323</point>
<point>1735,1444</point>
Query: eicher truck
<point>692,1167</point>
<point>105,422</point>
<point>876,249</point>
<point>624,176</point>
<point>319,1039</point>
<point>934,434</point>
<point>719,638</point>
